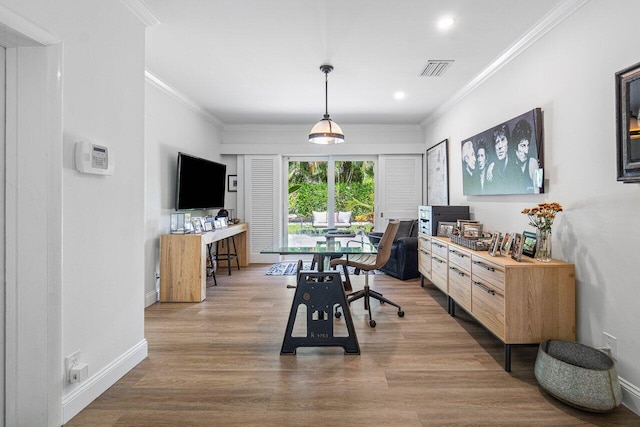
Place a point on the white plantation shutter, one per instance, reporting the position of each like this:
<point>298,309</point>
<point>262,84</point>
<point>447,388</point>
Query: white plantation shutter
<point>262,178</point>
<point>400,188</point>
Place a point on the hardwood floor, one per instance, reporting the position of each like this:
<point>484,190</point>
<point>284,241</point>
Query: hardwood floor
<point>218,363</point>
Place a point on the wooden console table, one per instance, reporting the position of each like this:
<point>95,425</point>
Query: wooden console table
<point>521,303</point>
<point>183,261</point>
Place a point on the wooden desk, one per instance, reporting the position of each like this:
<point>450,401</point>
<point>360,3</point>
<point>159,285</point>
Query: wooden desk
<point>183,262</point>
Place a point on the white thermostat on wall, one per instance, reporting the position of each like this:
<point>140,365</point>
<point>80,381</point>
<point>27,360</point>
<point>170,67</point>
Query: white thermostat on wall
<point>94,158</point>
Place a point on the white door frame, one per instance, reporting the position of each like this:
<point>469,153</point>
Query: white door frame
<point>33,380</point>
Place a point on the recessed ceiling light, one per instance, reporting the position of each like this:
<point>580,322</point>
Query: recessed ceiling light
<point>399,95</point>
<point>445,23</point>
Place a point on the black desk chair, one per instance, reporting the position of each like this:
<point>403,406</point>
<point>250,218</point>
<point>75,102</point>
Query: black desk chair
<point>368,262</point>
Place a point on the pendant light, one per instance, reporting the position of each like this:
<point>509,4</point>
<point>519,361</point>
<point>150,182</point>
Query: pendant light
<point>326,131</point>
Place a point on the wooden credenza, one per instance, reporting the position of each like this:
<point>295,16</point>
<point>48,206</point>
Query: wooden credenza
<point>183,261</point>
<point>524,302</point>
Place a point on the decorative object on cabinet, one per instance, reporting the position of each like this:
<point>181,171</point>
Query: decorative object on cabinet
<point>506,159</point>
<point>494,245</point>
<point>471,230</point>
<point>472,243</point>
<point>628,124</point>
<point>529,244</point>
<point>541,217</point>
<point>438,175</point>
<point>505,246</point>
<point>578,375</point>
<point>445,228</point>
<point>516,250</point>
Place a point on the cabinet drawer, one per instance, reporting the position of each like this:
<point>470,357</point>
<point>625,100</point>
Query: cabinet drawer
<point>487,271</point>
<point>487,305</point>
<point>460,258</point>
<point>424,244</point>
<point>424,263</point>
<point>460,287</point>
<point>439,249</point>
<point>439,273</point>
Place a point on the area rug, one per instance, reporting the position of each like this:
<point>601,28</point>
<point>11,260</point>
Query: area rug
<point>289,269</point>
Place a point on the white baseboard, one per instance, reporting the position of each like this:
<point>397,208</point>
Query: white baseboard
<point>150,298</point>
<point>630,395</point>
<point>97,384</point>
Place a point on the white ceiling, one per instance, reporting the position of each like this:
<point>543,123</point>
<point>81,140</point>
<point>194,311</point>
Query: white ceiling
<point>257,61</point>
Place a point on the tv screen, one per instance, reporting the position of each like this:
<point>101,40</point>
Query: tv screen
<point>200,183</point>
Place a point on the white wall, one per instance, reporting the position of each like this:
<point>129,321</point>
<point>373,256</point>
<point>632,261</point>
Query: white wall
<point>569,73</point>
<point>172,124</point>
<point>103,101</point>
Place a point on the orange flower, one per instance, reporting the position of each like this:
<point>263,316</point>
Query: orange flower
<point>542,216</point>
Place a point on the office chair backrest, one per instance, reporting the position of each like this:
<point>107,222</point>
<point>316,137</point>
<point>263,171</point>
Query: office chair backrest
<point>384,247</point>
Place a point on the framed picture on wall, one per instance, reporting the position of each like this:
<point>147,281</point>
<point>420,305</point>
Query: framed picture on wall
<point>232,183</point>
<point>438,175</point>
<point>506,158</point>
<point>628,123</point>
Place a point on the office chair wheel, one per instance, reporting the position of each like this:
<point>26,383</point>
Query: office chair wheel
<point>400,313</point>
<point>372,323</point>
<point>338,314</point>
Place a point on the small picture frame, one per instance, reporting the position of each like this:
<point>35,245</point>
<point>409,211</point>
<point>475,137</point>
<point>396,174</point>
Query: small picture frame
<point>197,225</point>
<point>208,226</point>
<point>471,230</point>
<point>445,229</point>
<point>516,252</point>
<point>529,244</point>
<point>232,183</point>
<point>460,222</point>
<point>505,246</point>
<point>494,244</point>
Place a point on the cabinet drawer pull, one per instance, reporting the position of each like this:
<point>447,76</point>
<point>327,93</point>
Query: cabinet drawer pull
<point>436,259</point>
<point>451,251</point>
<point>484,288</point>
<point>424,252</point>
<point>486,267</point>
<point>460,273</point>
<point>436,244</point>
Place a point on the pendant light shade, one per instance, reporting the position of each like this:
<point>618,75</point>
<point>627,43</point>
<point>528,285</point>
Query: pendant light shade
<point>326,131</point>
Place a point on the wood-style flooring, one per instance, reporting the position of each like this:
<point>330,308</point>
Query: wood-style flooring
<point>218,363</point>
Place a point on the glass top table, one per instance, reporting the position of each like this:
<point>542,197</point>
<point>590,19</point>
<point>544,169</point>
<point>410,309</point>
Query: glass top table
<point>332,246</point>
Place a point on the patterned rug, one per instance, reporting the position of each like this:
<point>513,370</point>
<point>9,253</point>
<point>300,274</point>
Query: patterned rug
<point>289,269</point>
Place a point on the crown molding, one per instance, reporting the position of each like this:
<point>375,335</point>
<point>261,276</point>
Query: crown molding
<point>140,9</point>
<point>546,24</point>
<point>23,28</point>
<point>297,127</point>
<point>182,98</point>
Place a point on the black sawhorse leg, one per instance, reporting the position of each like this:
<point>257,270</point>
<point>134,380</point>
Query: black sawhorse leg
<point>320,293</point>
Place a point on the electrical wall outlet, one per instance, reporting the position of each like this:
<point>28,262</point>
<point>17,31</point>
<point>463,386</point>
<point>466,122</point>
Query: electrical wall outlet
<point>69,362</point>
<point>610,342</point>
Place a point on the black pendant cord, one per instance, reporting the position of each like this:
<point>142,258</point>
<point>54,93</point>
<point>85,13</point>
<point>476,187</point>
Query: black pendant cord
<point>326,95</point>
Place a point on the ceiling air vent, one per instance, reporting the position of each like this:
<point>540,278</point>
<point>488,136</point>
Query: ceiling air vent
<point>436,68</point>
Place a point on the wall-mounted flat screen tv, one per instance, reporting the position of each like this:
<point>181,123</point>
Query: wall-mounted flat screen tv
<point>200,183</point>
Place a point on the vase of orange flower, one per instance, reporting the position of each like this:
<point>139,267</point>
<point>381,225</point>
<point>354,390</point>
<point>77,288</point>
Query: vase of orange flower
<point>541,217</point>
